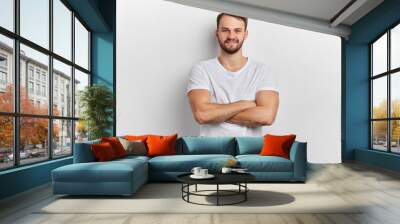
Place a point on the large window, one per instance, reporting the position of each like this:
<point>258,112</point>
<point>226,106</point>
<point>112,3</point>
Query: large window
<point>385,91</point>
<point>44,64</point>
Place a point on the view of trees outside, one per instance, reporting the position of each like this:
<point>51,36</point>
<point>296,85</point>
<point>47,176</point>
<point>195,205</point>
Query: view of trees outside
<point>379,128</point>
<point>6,141</point>
<point>33,131</point>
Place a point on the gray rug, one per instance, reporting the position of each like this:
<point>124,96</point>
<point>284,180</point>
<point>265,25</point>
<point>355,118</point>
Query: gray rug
<point>166,198</point>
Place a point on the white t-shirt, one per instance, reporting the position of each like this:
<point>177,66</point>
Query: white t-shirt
<point>228,87</point>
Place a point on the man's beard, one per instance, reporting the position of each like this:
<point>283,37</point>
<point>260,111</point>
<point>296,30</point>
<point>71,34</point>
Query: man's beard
<point>230,50</point>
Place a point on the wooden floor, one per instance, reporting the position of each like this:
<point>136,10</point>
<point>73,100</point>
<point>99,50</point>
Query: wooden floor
<point>378,188</point>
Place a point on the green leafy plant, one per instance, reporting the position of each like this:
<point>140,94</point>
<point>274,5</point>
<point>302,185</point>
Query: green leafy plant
<point>97,104</point>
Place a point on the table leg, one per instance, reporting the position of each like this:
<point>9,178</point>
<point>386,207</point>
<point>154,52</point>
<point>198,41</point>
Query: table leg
<point>188,190</point>
<point>196,188</point>
<point>217,194</point>
<point>245,193</point>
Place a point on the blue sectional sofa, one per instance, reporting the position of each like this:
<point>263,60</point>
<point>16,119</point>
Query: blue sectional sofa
<point>125,176</point>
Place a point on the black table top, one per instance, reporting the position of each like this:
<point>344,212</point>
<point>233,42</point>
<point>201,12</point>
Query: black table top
<point>220,178</point>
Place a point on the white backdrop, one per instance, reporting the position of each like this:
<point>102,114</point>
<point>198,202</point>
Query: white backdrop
<point>158,42</point>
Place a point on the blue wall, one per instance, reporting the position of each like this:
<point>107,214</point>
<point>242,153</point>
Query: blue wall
<point>103,63</point>
<point>356,83</point>
<point>99,15</point>
<point>24,178</point>
<point>103,52</point>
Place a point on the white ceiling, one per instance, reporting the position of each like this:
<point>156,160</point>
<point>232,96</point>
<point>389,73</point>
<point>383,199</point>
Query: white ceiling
<point>316,15</point>
<point>320,9</point>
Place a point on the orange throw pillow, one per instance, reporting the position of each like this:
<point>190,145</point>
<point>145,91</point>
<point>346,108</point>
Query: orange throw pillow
<point>277,145</point>
<point>116,145</point>
<point>135,138</point>
<point>103,151</point>
<point>161,145</point>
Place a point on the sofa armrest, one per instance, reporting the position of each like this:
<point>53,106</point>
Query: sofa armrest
<point>298,155</point>
<point>83,152</point>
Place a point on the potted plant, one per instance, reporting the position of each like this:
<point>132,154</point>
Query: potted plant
<point>97,104</point>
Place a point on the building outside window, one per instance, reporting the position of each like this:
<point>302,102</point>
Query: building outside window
<point>3,61</point>
<point>30,72</point>
<point>3,72</point>
<point>37,75</point>
<point>3,78</point>
<point>30,87</point>
<point>43,90</point>
<point>38,89</point>
<point>44,77</point>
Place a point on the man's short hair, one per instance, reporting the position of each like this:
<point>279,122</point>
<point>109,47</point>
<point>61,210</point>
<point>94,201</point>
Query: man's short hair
<point>244,19</point>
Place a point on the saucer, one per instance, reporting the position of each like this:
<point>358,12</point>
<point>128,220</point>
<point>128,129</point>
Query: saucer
<point>208,176</point>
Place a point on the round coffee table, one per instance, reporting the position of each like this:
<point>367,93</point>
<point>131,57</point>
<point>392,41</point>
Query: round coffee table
<point>238,179</point>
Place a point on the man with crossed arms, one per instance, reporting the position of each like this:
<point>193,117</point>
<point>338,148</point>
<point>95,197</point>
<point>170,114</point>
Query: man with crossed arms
<point>232,95</point>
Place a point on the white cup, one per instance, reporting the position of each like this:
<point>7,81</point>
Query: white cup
<point>203,172</point>
<point>196,171</point>
<point>226,170</point>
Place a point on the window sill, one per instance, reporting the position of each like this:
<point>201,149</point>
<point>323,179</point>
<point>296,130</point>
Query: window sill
<point>25,167</point>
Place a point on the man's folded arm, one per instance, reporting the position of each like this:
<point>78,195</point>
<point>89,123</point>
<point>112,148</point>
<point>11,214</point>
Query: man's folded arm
<point>205,112</point>
<point>267,103</point>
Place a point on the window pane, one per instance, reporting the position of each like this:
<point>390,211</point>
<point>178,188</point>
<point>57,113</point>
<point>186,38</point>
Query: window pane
<point>7,14</point>
<point>62,29</point>
<point>62,137</point>
<point>379,135</point>
<point>62,89</point>
<point>81,45</point>
<point>379,100</point>
<point>81,81</point>
<point>6,74</point>
<point>395,47</point>
<point>34,81</point>
<point>379,55</point>
<point>395,136</point>
<point>81,131</point>
<point>33,140</point>
<point>35,21</point>
<point>6,142</point>
<point>395,94</point>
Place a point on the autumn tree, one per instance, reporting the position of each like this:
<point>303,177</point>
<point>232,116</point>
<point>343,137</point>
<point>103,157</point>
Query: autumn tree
<point>33,131</point>
<point>380,127</point>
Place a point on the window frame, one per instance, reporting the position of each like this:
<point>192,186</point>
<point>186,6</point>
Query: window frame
<point>388,74</point>
<point>15,72</point>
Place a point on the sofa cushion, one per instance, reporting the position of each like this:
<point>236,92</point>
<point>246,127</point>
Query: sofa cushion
<point>83,152</point>
<point>257,163</point>
<point>206,145</point>
<point>133,158</point>
<point>135,147</point>
<point>275,145</point>
<point>161,145</point>
<point>249,145</point>
<point>116,145</point>
<point>111,171</point>
<point>185,163</point>
<point>103,152</point>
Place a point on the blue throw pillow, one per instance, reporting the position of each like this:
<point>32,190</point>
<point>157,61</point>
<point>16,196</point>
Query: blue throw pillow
<point>207,145</point>
<point>249,145</point>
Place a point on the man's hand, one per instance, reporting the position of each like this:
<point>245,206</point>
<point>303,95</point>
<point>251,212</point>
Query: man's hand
<point>263,114</point>
<point>205,112</point>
